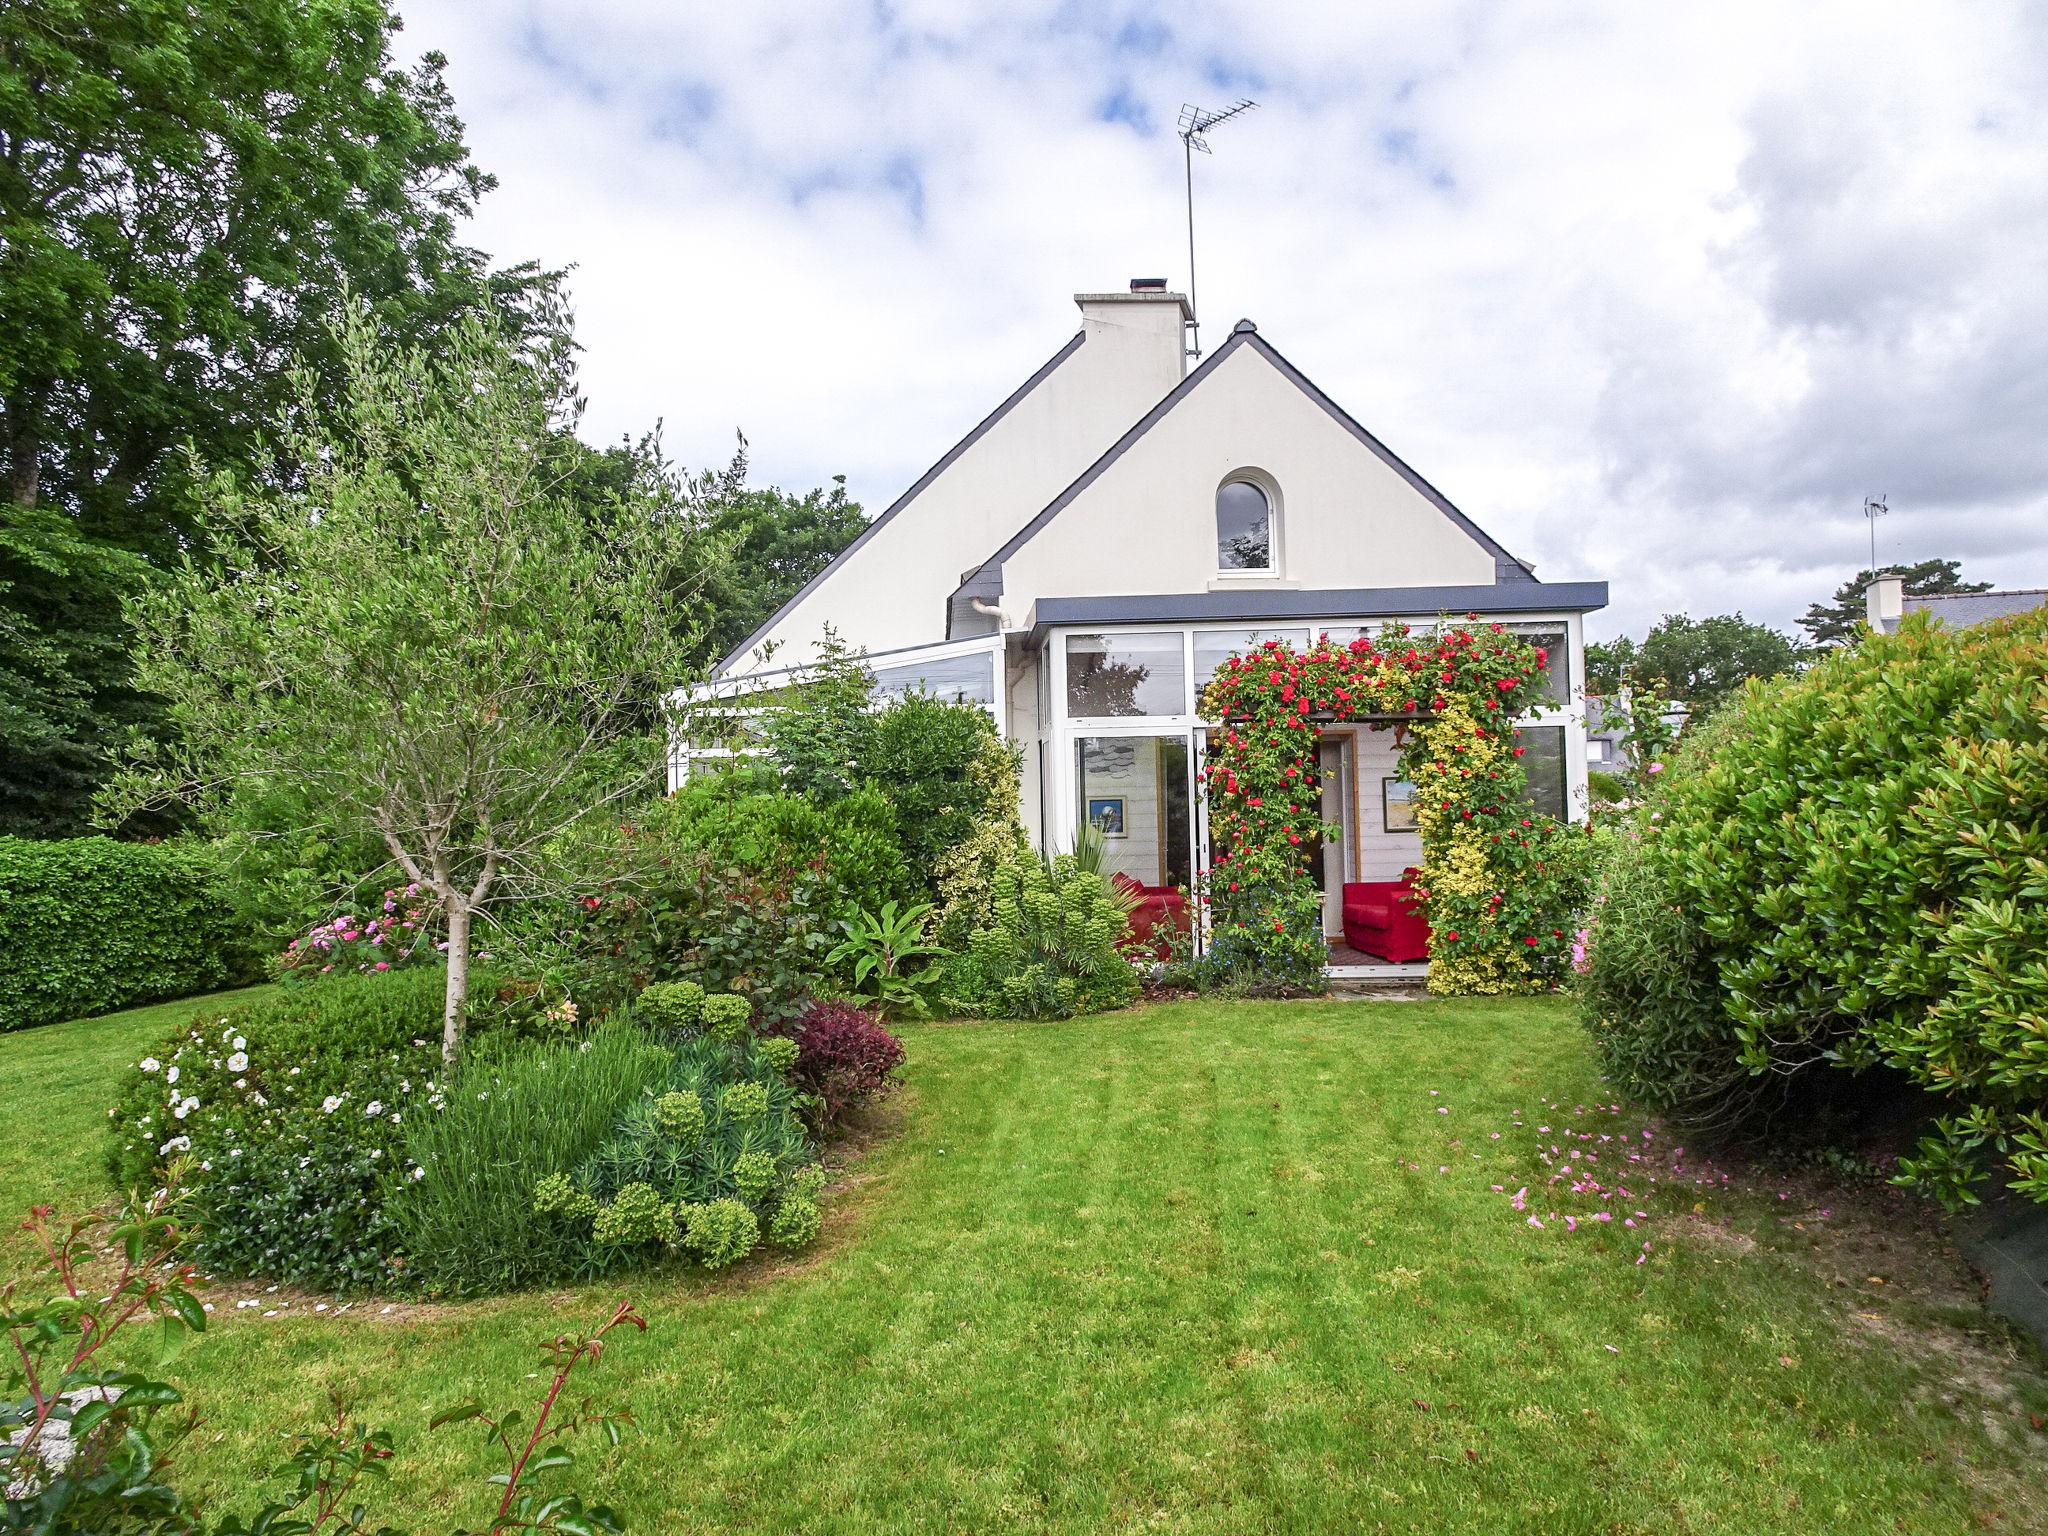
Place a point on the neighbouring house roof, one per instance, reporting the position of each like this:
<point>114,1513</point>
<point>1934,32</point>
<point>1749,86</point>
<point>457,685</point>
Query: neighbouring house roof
<point>1292,603</point>
<point>1960,609</point>
<point>986,581</point>
<point>896,506</point>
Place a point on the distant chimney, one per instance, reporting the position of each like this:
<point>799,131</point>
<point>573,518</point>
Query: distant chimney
<point>1884,601</point>
<point>1148,285</point>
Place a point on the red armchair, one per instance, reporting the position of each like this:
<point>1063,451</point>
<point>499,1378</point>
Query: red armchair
<point>1161,910</point>
<point>1384,918</point>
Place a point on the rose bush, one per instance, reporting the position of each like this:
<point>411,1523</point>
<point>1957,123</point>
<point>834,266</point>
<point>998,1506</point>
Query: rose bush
<point>1497,879</point>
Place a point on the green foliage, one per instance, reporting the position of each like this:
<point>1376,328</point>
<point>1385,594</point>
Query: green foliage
<point>820,730</point>
<point>938,763</point>
<point>448,608</point>
<point>888,960</point>
<point>1862,851</point>
<point>1649,997</point>
<point>1050,951</point>
<point>521,1113</point>
<point>719,1132</point>
<point>720,1232</point>
<point>737,887</point>
<point>285,1121</point>
<point>964,873</point>
<point>726,1017</point>
<point>1703,661</point>
<point>1837,621</point>
<point>670,1007</point>
<point>88,925</point>
<point>189,193</point>
<point>779,541</point>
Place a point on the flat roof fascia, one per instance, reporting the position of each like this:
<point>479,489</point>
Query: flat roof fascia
<point>1508,597</point>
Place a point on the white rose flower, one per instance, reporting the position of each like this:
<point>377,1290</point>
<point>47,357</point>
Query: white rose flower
<point>240,1044</point>
<point>418,1174</point>
<point>330,1104</point>
<point>239,1062</point>
<point>175,1144</point>
<point>149,1064</point>
<point>373,1109</point>
<point>171,1076</point>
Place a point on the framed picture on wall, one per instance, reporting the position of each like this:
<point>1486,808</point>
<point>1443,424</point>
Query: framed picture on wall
<point>1397,806</point>
<point>1107,813</point>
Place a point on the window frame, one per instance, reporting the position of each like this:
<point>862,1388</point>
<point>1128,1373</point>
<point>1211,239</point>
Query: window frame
<point>1269,488</point>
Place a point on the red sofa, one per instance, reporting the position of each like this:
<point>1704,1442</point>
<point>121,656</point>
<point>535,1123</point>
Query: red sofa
<point>1384,918</point>
<point>1161,910</point>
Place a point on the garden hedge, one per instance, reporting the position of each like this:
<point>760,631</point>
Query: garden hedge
<point>89,924</point>
<point>1853,864</point>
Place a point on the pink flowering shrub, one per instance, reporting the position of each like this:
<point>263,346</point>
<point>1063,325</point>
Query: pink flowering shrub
<point>401,933</point>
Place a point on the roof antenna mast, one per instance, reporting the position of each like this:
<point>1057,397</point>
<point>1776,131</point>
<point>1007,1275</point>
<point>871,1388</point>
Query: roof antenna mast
<point>1873,509</point>
<point>1194,122</point>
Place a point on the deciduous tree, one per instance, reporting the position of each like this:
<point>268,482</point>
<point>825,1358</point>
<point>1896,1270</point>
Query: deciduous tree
<point>410,623</point>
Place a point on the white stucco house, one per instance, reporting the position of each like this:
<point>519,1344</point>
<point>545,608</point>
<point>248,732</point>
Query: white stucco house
<point>1121,516</point>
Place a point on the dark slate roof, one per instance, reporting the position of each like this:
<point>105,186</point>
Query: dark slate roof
<point>1270,604</point>
<point>986,580</point>
<point>1961,609</point>
<point>906,498</point>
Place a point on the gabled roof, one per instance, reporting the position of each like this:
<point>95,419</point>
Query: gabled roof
<point>896,506</point>
<point>986,580</point>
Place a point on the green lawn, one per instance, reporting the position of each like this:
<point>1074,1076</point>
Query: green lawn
<point>1191,1268</point>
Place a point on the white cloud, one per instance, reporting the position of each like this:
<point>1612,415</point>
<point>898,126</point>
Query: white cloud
<point>1656,294</point>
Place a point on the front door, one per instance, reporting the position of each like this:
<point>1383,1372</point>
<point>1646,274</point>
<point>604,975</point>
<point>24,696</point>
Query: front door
<point>1332,861</point>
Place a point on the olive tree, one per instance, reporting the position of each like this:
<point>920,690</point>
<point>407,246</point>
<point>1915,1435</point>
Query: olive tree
<point>416,623</point>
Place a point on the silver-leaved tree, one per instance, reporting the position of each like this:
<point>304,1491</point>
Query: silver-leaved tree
<point>426,626</point>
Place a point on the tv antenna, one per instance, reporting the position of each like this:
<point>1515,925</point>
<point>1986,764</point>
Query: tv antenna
<point>1873,509</point>
<point>1194,123</point>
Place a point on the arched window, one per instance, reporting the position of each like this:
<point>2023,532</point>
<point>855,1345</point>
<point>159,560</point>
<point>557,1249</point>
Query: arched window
<point>1244,527</point>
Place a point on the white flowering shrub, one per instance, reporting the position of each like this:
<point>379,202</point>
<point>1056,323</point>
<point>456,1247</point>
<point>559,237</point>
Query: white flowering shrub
<point>286,1119</point>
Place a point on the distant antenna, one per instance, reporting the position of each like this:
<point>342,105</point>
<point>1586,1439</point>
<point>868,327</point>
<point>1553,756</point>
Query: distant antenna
<point>1194,122</point>
<point>1873,509</point>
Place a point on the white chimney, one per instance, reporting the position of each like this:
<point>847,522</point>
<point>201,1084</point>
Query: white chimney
<point>1884,601</point>
<point>1147,326</point>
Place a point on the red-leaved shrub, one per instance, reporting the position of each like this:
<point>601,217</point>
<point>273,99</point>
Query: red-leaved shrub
<point>844,1056</point>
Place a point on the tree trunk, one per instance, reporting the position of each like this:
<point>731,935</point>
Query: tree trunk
<point>24,448</point>
<point>458,980</point>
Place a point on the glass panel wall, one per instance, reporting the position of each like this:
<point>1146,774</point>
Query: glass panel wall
<point>1136,673</point>
<point>1213,647</point>
<point>966,679</point>
<point>1557,672</point>
<point>1138,790</point>
<point>1543,761</point>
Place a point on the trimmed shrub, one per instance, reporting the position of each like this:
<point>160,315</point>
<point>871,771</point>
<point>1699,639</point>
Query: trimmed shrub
<point>1864,853</point>
<point>284,1120</point>
<point>1051,951</point>
<point>88,925</point>
<point>515,1117</point>
<point>842,1055</point>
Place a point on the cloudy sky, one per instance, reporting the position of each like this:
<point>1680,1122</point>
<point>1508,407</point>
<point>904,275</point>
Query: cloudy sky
<point>1655,293</point>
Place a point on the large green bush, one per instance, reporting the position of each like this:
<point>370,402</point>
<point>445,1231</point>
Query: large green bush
<point>285,1120</point>
<point>519,1112</point>
<point>1858,860</point>
<point>1050,950</point>
<point>737,887</point>
<point>89,924</point>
